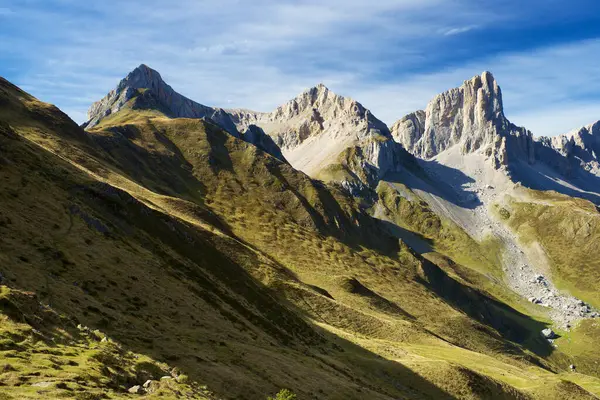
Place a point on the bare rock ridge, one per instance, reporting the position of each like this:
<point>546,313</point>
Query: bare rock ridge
<point>314,129</point>
<point>168,100</point>
<point>314,111</point>
<point>470,116</point>
<point>310,131</point>
<point>579,148</point>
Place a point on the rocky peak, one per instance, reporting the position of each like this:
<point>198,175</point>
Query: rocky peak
<point>470,116</point>
<point>162,96</point>
<point>317,126</point>
<point>315,111</point>
<point>579,148</point>
<point>143,77</point>
<point>409,129</point>
<point>320,100</point>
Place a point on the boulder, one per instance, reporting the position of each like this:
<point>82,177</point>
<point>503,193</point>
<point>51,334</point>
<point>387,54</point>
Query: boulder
<point>137,389</point>
<point>151,386</point>
<point>548,333</point>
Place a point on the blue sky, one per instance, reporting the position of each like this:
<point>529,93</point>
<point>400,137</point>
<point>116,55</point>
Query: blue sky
<point>391,55</point>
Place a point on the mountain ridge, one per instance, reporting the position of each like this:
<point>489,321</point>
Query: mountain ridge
<point>174,104</point>
<point>471,116</point>
<point>193,246</point>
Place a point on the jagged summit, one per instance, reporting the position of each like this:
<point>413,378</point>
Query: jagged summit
<point>316,126</point>
<point>314,111</point>
<point>578,149</point>
<point>158,95</point>
<point>470,116</point>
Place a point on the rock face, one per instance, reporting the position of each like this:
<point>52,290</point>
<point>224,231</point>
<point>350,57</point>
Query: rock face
<point>408,130</point>
<point>577,149</point>
<point>143,80</point>
<point>316,127</point>
<point>315,111</point>
<point>471,117</point>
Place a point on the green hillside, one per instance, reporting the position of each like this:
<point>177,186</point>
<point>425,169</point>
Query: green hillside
<point>206,261</point>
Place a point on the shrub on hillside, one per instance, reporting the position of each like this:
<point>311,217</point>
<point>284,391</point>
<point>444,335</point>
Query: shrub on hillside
<point>284,394</point>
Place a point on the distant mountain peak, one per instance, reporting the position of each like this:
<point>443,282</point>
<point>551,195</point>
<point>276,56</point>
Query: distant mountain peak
<point>142,77</point>
<point>164,97</point>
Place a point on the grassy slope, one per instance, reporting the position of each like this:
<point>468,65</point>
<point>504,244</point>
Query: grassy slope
<point>191,263</point>
<point>568,230</point>
<point>475,262</point>
<point>53,360</point>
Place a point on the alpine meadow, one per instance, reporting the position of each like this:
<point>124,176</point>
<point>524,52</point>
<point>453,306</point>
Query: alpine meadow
<point>167,249</point>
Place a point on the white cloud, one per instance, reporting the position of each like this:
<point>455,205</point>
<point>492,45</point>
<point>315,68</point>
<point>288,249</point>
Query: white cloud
<point>234,53</point>
<point>459,30</point>
<point>544,90</point>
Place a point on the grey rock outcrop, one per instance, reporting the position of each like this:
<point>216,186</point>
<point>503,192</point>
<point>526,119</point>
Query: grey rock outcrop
<point>137,389</point>
<point>471,117</point>
<point>155,93</point>
<point>548,333</point>
<point>578,149</point>
<point>314,129</point>
<point>315,111</point>
<point>409,129</point>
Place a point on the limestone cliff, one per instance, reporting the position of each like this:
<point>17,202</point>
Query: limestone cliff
<point>314,129</point>
<point>470,116</point>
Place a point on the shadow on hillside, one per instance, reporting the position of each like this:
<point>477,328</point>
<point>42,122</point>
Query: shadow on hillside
<point>172,175</point>
<point>194,305</point>
<point>240,340</point>
<point>439,180</point>
<point>153,171</point>
<point>508,322</point>
<point>417,242</point>
<point>542,177</point>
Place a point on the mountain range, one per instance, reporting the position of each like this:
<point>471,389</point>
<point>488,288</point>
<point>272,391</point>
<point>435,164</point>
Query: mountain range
<point>166,248</point>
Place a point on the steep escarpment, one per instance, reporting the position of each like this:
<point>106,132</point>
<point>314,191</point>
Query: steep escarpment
<point>470,117</point>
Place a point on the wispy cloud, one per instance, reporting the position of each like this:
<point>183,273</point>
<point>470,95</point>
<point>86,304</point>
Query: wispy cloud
<point>392,55</point>
<point>459,30</point>
<point>550,90</point>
